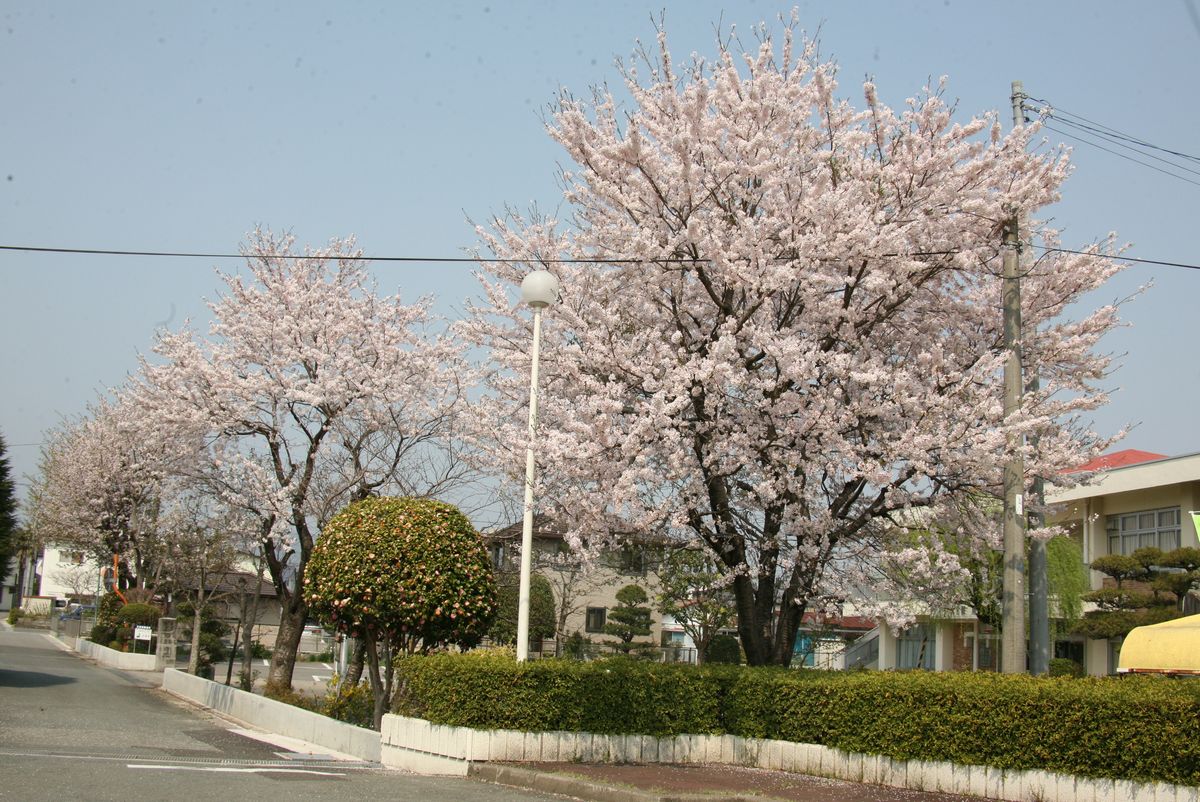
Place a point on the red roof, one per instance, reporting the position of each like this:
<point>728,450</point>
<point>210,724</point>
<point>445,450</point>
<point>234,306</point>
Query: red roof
<point>839,621</point>
<point>1117,459</point>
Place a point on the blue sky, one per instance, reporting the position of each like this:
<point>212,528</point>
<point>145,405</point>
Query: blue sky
<point>173,126</point>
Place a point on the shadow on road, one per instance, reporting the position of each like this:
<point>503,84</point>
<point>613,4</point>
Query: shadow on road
<point>31,679</point>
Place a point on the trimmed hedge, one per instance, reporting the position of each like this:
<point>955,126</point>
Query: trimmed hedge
<point>490,690</point>
<point>1135,728</point>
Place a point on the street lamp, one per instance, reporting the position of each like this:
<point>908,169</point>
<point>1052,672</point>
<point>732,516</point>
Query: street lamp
<point>539,289</point>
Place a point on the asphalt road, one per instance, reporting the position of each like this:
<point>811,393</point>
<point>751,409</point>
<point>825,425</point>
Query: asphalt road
<point>73,730</point>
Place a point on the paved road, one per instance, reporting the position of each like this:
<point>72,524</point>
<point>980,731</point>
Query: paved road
<point>73,730</point>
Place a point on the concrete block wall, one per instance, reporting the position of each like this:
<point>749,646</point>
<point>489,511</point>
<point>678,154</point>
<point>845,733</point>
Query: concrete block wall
<point>419,746</point>
<point>277,717</point>
<point>111,657</point>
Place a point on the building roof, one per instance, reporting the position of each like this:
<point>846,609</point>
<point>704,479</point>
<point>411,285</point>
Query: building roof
<point>1117,459</point>
<point>1154,471</point>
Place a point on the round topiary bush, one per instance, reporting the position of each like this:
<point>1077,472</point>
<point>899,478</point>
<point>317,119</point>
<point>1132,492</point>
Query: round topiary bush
<point>404,575</point>
<point>413,568</point>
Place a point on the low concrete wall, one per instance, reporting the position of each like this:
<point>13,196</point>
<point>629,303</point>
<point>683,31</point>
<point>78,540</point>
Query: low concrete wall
<point>419,746</point>
<point>111,657</point>
<point>277,717</point>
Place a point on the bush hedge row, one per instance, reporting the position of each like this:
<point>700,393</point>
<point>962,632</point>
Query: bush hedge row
<point>1136,728</point>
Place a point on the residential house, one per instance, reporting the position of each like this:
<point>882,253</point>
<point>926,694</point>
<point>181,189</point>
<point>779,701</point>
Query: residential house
<point>583,593</point>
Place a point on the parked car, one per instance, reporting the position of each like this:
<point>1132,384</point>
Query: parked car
<point>77,612</point>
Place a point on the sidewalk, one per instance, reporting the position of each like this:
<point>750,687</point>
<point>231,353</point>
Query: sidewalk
<point>668,783</point>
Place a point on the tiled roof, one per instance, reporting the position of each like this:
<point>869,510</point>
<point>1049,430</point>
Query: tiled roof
<point>1117,459</point>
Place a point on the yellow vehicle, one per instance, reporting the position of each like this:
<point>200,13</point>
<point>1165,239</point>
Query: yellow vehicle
<point>1172,647</point>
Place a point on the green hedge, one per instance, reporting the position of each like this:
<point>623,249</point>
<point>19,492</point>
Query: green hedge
<point>1136,728</point>
<point>489,690</point>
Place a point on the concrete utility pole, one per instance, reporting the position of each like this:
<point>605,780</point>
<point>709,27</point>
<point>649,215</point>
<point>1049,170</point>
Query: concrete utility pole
<point>1013,602</point>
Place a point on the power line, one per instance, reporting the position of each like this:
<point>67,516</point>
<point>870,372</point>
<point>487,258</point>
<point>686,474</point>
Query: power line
<point>1086,141</point>
<point>425,259</point>
<point>472,260</point>
<point>1054,111</point>
<point>1119,142</point>
<point>1118,258</point>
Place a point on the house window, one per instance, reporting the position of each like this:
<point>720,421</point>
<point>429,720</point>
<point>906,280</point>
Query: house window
<point>916,648</point>
<point>596,617</point>
<point>633,560</point>
<point>1129,532</point>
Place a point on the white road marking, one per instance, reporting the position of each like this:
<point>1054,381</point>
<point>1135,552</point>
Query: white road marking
<point>266,662</point>
<point>318,678</point>
<point>327,666</point>
<point>232,770</point>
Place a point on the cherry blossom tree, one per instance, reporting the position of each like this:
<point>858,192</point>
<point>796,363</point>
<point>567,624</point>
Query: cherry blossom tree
<point>781,321</point>
<point>99,489</point>
<point>303,366</point>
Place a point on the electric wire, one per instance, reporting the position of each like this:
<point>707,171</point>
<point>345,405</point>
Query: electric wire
<point>1086,141</point>
<point>1119,143</point>
<point>477,260</point>
<point>1060,113</point>
<point>617,260</point>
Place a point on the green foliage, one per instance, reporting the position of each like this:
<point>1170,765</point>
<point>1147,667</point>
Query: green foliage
<point>1164,580</point>
<point>259,652</point>
<point>353,704</point>
<point>106,611</point>
<point>1120,567</point>
<point>137,614</point>
<point>1066,579</point>
<point>8,512</point>
<point>576,646</point>
<point>14,615</point>
<point>1065,667</point>
<point>1136,728</point>
<point>285,694</point>
<point>543,614</point>
<point>694,593</point>
<point>725,649</point>
<point>613,695</point>
<point>630,618</point>
<point>413,569</point>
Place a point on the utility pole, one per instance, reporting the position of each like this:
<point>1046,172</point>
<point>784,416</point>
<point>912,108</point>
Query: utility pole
<point>1039,588</point>
<point>1012,648</point>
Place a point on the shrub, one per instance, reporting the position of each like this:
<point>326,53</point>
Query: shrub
<point>1135,728</point>
<point>1065,667</point>
<point>724,649</point>
<point>14,615</point>
<point>489,689</point>
<point>353,704</point>
<point>259,652</point>
<point>138,613</point>
<point>285,694</point>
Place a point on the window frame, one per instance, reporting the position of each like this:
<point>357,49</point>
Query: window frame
<point>588,615</point>
<point>1162,527</point>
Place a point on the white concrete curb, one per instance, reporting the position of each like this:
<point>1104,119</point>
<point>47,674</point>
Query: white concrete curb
<point>273,716</point>
<point>105,656</point>
<point>420,746</point>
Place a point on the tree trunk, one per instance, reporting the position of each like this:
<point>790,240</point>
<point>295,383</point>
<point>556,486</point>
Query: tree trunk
<point>287,644</point>
<point>20,580</point>
<point>377,692</point>
<point>194,657</point>
<point>355,668</point>
<point>237,636</point>
<point>248,634</point>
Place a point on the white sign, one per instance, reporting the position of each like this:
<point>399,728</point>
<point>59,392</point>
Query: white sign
<point>141,633</point>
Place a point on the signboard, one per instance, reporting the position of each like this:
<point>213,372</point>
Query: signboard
<point>141,633</point>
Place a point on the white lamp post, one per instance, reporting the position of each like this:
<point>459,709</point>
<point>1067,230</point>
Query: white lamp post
<point>539,289</point>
